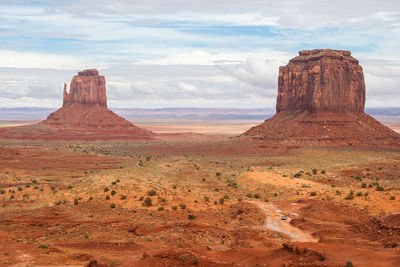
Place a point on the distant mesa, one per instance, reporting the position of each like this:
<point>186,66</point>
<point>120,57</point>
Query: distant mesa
<point>321,98</point>
<point>83,116</point>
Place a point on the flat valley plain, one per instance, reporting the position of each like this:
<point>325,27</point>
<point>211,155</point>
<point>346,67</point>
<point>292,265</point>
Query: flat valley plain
<point>210,201</point>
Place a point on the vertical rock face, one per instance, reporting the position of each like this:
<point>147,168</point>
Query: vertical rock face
<point>86,88</point>
<point>321,97</point>
<point>321,80</point>
<point>83,116</point>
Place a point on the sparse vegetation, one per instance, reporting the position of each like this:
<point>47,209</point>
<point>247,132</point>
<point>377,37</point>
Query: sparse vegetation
<point>147,202</point>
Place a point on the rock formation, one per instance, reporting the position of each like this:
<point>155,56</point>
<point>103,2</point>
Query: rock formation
<point>86,88</point>
<point>321,98</point>
<point>83,116</point>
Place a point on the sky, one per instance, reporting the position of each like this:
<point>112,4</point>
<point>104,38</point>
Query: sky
<point>187,53</point>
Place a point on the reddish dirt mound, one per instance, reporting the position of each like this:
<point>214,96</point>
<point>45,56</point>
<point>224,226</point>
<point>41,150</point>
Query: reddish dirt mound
<point>327,128</point>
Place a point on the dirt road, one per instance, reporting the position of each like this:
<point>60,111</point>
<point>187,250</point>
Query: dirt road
<point>274,222</point>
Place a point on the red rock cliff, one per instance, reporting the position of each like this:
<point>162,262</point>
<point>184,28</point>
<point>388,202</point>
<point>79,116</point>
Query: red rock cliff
<point>321,97</point>
<point>321,80</point>
<point>86,88</point>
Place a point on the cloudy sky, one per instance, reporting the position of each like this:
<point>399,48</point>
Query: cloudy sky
<point>188,53</point>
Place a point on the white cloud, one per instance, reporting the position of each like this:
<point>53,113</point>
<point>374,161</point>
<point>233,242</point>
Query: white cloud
<point>15,59</point>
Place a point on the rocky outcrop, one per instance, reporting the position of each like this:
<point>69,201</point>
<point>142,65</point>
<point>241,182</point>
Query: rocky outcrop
<point>86,88</point>
<point>321,80</point>
<point>321,97</point>
<point>83,116</point>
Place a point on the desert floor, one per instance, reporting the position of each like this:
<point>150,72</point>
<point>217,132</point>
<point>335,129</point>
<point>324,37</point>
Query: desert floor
<point>203,202</point>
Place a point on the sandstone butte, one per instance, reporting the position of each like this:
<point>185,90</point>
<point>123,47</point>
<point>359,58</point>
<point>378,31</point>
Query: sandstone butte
<point>321,98</point>
<point>83,116</point>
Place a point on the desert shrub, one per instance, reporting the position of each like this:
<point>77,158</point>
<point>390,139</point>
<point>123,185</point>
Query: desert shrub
<point>152,193</point>
<point>90,198</point>
<point>349,264</point>
<point>123,197</point>
<point>70,187</point>
<point>2,191</point>
<point>366,193</point>
<point>76,202</point>
<point>392,197</point>
<point>297,175</point>
<point>350,195</point>
<point>174,186</point>
<point>215,202</point>
<point>313,194</point>
<point>257,196</point>
<point>141,198</point>
<point>118,180</point>
<point>314,171</point>
<point>394,244</point>
<point>34,181</point>
<point>43,246</point>
<point>112,205</point>
<point>160,208</point>
<point>113,192</point>
<point>323,172</point>
<point>191,216</point>
<point>106,189</point>
<point>147,202</point>
<point>221,200</point>
<point>36,187</point>
<point>226,196</point>
<point>206,198</point>
<point>107,197</point>
<point>216,189</point>
<point>195,260</point>
<point>114,183</point>
<point>359,194</point>
<point>379,188</point>
<point>182,206</point>
<point>363,185</point>
<point>218,174</point>
<point>249,195</point>
<point>174,207</point>
<point>20,188</point>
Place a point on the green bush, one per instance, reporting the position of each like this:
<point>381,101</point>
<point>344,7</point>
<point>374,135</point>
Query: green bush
<point>313,194</point>
<point>182,206</point>
<point>112,205</point>
<point>147,202</point>
<point>106,189</point>
<point>379,188</point>
<point>174,207</point>
<point>152,193</point>
<point>349,264</point>
<point>76,201</point>
<point>113,192</point>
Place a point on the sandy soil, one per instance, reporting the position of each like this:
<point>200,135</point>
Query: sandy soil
<point>197,202</point>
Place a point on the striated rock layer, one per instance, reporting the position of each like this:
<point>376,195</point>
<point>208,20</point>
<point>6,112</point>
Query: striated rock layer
<point>83,116</point>
<point>321,98</point>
